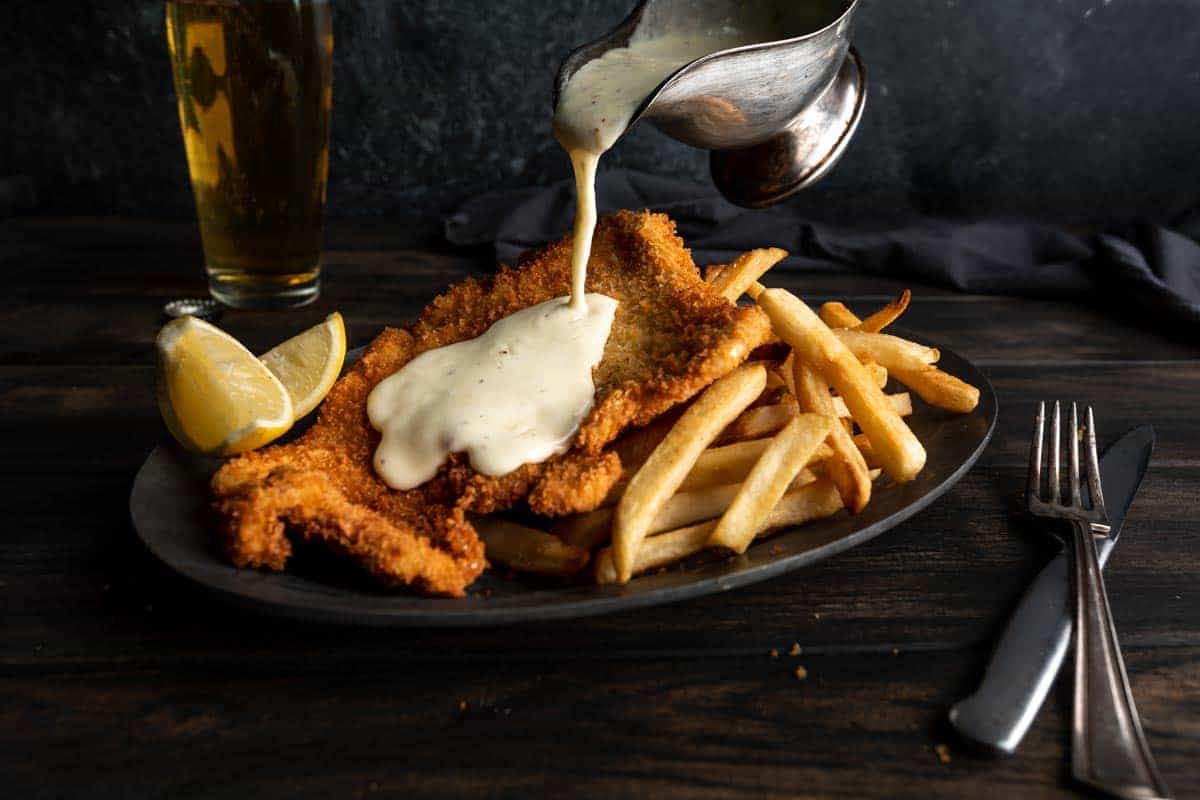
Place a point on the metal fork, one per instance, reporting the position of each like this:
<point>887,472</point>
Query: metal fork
<point>1108,749</point>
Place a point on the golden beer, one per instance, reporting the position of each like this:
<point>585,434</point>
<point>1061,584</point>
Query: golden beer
<point>254,79</point>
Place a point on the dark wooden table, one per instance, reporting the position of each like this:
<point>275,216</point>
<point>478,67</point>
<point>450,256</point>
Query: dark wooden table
<point>118,680</point>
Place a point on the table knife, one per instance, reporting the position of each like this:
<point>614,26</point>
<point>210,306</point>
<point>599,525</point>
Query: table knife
<point>1030,652</point>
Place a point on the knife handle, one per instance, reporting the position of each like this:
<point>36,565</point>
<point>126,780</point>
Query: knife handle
<point>1025,662</point>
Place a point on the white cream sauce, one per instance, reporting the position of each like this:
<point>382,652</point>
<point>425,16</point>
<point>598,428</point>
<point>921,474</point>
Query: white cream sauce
<point>598,102</point>
<point>515,395</point>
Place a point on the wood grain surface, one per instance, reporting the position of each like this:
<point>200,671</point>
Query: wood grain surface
<point>119,680</point>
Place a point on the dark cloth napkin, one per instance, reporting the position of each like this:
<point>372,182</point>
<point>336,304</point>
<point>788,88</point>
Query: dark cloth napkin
<point>1151,271</point>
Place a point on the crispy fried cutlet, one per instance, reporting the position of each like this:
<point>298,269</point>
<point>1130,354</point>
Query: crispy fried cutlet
<point>671,337</point>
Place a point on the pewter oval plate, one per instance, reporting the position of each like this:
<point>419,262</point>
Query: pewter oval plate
<point>169,506</point>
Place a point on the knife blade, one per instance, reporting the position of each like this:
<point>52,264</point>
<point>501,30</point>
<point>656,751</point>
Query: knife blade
<point>1031,650</point>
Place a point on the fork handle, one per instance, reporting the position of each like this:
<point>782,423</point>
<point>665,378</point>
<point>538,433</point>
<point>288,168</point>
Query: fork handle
<point>1108,748</point>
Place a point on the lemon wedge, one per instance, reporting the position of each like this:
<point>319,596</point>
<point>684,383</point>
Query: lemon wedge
<point>214,395</point>
<point>308,364</point>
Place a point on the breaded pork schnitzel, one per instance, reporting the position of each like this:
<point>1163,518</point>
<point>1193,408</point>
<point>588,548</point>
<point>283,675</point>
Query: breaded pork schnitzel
<point>671,337</point>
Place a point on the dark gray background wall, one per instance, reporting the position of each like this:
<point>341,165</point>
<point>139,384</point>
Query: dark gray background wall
<point>1064,108</point>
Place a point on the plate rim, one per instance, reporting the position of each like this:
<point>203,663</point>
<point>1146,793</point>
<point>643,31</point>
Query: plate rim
<point>417,611</point>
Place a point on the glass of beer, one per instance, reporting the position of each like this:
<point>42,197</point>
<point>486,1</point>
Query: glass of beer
<point>254,79</point>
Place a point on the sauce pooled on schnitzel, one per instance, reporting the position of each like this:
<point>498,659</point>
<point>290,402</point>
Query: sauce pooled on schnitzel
<point>515,395</point>
<point>599,101</point>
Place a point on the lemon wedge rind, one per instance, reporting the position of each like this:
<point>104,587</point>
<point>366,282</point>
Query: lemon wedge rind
<point>309,363</point>
<point>215,396</point>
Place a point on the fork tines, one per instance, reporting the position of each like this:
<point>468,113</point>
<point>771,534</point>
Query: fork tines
<point>1054,506</point>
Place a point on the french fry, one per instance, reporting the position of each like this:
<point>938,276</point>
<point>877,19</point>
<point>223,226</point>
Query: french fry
<point>732,281</point>
<point>939,389</point>
<point>636,446</point>
<point>760,421</point>
<point>901,403</point>
<point>757,422</point>
<point>588,530</point>
<point>846,467</point>
<point>730,463</point>
<point>594,528</point>
<point>788,401</point>
<point>528,550</point>
<point>886,315</point>
<point>836,315</point>
<point>868,453</point>
<point>813,501</point>
<point>656,551</point>
<point>766,484</point>
<point>878,372</point>
<point>774,381</point>
<point>686,508</point>
<point>888,350</point>
<point>713,272</point>
<point>666,468</point>
<point>787,370</point>
<point>899,451</point>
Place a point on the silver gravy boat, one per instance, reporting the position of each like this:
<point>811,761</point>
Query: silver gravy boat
<point>777,115</point>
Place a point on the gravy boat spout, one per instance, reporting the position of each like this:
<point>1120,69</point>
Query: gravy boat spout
<point>776,114</point>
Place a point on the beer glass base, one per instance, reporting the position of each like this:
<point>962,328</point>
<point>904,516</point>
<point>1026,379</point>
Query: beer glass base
<point>264,293</point>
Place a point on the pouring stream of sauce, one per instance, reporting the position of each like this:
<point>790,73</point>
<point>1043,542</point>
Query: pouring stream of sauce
<point>598,103</point>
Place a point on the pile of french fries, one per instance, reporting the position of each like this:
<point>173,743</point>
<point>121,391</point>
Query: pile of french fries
<point>768,446</point>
